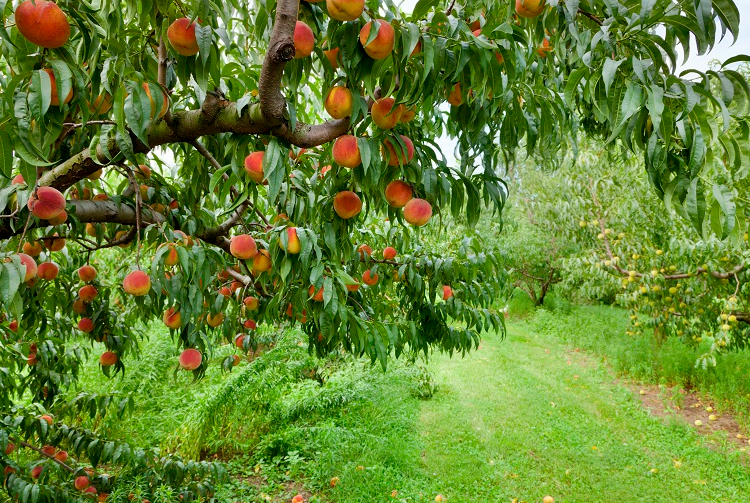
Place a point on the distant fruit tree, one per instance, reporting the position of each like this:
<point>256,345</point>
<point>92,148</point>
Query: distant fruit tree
<point>217,166</point>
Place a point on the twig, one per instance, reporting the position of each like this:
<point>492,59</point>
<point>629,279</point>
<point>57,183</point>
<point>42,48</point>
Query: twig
<point>591,17</point>
<point>37,449</point>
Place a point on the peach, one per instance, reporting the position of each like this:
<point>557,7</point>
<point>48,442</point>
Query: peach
<point>293,244</point>
<point>385,113</point>
<point>298,499</point>
<point>47,271</point>
<point>18,180</point>
<point>215,320</point>
<point>46,203</point>
<point>417,212</point>
<point>243,247</point>
<point>81,483</point>
<point>36,472</point>
<point>90,490</point>
<point>347,204</point>
<point>346,151</point>
<point>447,292</point>
<point>262,261</point>
<point>543,49</point>
<point>48,450</point>
<point>369,279</point>
<point>382,45</point>
<point>61,456</point>
<point>455,97</point>
<point>54,98</point>
<point>143,189</point>
<point>181,36</point>
<point>87,293</point>
<point>353,287</point>
<point>95,175</point>
<point>316,296</point>
<point>333,57</point>
<point>47,418</point>
<point>304,40</point>
<point>398,193</point>
<point>33,248</point>
<point>345,10</point>
<point>389,253</point>
<point>42,23</point>
<point>79,307</point>
<point>324,170</point>
<point>173,258</point>
<point>59,219</point>
<point>408,114</point>
<point>87,273</point>
<point>143,172</point>
<point>417,49</point>
<point>295,156</point>
<point>100,197</point>
<point>91,230</point>
<point>251,303</point>
<point>339,102</point>
<point>225,291</point>
<point>9,448</point>
<point>477,23</point>
<point>137,283</point>
<point>86,325</point>
<point>13,326</point>
<point>191,359</point>
<point>55,243</point>
<point>254,167</point>
<point>236,285</point>
<point>32,359</point>
<point>165,99</point>
<point>101,104</point>
<point>235,360</point>
<point>530,8</point>
<point>239,341</point>
<point>396,154</point>
<point>172,318</point>
<point>29,264</point>
<point>250,324</point>
<point>364,251</point>
<point>107,359</point>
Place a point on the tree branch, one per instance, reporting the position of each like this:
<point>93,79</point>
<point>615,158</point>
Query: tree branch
<point>280,50</point>
<point>591,17</point>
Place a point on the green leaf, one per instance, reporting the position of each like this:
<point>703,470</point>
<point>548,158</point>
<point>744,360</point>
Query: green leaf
<point>6,154</point>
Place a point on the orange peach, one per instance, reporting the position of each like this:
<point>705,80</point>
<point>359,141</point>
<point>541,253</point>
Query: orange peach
<point>91,230</point>
<point>32,359</point>
<point>339,102</point>
<point>87,273</point>
<point>55,243</point>
<point>346,151</point>
<point>33,248</point>
<point>347,204</point>
<point>29,264</point>
<point>530,8</point>
<point>46,203</point>
<point>364,251</point>
<point>95,175</point>
<point>79,307</point>
<point>408,114</point>
<point>143,172</point>
<point>47,271</point>
<point>262,261</point>
<point>455,97</point>
<point>385,113</point>
<point>88,293</point>
<point>47,418</point>
<point>137,284</point>
<point>251,303</point>
<point>345,10</point>
<point>254,167</point>
<point>417,212</point>
<point>173,258</point>
<point>191,359</point>
<point>389,253</point>
<point>13,326</point>
<point>81,483</point>
<point>55,99</point>
<point>107,359</point>
<point>18,180</point>
<point>42,23</point>
<point>243,247</point>
<point>36,472</point>
<point>304,40</point>
<point>172,318</point>
<point>543,49</point>
<point>250,324</point>
<point>382,45</point>
<point>395,154</point>
<point>447,292</point>
<point>181,36</point>
<point>353,287</point>
<point>86,325</point>
<point>316,296</point>
<point>101,104</point>
<point>333,57</point>
<point>61,456</point>
<point>398,193</point>
<point>59,219</point>
<point>369,279</point>
<point>225,292</point>
<point>165,99</point>
<point>215,320</point>
<point>293,244</point>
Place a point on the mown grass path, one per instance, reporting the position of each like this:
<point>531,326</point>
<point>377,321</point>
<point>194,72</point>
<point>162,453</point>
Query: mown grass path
<point>527,417</point>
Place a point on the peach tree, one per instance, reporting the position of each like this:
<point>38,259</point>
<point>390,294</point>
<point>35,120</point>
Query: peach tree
<point>216,165</point>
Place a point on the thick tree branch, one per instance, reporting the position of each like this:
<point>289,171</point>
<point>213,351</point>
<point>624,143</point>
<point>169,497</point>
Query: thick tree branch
<point>111,212</point>
<point>307,136</point>
<point>280,50</point>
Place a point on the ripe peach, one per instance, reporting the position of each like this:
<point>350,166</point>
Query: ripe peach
<point>365,251</point>
<point>30,265</point>
<point>254,167</point>
<point>385,113</point>
<point>339,102</point>
<point>249,324</point>
<point>36,472</point>
<point>87,293</point>
<point>389,253</point>
<point>47,271</point>
<point>90,490</point>
<point>61,456</point>
<point>181,36</point>
<point>86,325</point>
<point>543,49</point>
<point>369,279</point>
<point>345,10</point>
<point>47,418</point>
<point>239,341</point>
<point>382,45</point>
<point>333,57</point>
<point>46,203</point>
<point>324,170</point>
<point>347,204</point>
<point>42,23</point>
<point>251,303</point>
<point>32,360</point>
<point>235,360</point>
<point>215,320</point>
<point>10,447</point>
<point>33,248</point>
<point>408,114</point>
<point>81,483</point>
<point>530,8</point>
<point>95,175</point>
<point>87,273</point>
<point>293,245</point>
<point>107,359</point>
<point>477,23</point>
<point>225,291</point>
<point>395,154</point>
<point>243,247</point>
<point>101,104</point>
<point>59,219</point>
<point>191,359</point>
<point>316,296</point>
<point>447,292</point>
<point>54,243</point>
<point>18,180</point>
<point>165,99</point>
<point>455,97</point>
<point>173,258</point>
<point>353,287</point>
<point>236,285</point>
<point>262,261</point>
<point>143,172</point>
<point>298,499</point>
<point>398,193</point>
<point>100,197</point>
<point>54,98</point>
<point>79,307</point>
<point>417,212</point>
<point>417,49</point>
<point>137,283</point>
<point>346,151</point>
<point>91,230</point>
<point>304,40</point>
<point>48,450</point>
<point>172,318</point>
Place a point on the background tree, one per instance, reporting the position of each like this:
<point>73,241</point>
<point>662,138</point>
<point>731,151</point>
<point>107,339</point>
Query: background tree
<point>195,136</point>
